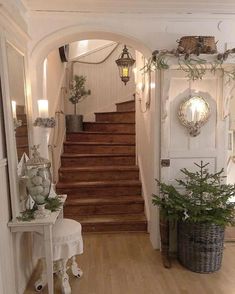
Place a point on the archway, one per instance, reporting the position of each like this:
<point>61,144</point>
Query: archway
<point>71,34</point>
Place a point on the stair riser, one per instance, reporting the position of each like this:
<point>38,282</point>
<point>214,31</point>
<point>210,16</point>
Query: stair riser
<point>82,192</point>
<point>22,131</point>
<point>97,227</point>
<point>98,161</point>
<point>82,176</point>
<point>73,211</point>
<point>22,117</point>
<point>20,109</point>
<point>20,151</point>
<point>86,149</point>
<point>128,106</point>
<point>101,138</point>
<point>116,128</point>
<point>115,117</point>
<point>22,140</point>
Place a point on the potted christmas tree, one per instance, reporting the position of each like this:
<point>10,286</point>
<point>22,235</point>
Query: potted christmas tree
<point>202,208</point>
<point>74,122</point>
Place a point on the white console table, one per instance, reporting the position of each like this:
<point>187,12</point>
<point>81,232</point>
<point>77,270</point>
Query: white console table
<point>44,227</point>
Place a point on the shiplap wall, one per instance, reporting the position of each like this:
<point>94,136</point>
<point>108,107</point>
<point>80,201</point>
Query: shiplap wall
<point>104,82</point>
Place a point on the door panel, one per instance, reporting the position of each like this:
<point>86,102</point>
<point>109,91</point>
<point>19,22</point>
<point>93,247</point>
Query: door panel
<point>176,144</point>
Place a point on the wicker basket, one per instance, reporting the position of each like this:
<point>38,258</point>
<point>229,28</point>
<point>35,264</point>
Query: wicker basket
<point>197,44</point>
<point>200,246</point>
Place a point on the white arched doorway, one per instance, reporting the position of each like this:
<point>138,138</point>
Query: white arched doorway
<point>72,34</point>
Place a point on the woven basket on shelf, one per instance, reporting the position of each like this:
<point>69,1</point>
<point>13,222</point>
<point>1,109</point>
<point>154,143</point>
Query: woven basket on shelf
<point>200,246</point>
<point>197,44</point>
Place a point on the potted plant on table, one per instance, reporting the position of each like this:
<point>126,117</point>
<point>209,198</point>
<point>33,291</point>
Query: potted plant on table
<point>202,208</point>
<point>74,122</point>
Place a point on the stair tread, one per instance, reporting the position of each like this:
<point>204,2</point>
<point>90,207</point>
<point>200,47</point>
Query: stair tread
<point>125,102</point>
<point>120,218</point>
<point>98,143</point>
<point>100,133</point>
<point>100,201</point>
<point>61,185</point>
<point>116,112</point>
<point>75,155</point>
<point>107,123</point>
<point>102,168</point>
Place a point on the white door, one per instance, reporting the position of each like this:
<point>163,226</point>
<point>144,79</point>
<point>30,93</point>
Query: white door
<point>178,148</point>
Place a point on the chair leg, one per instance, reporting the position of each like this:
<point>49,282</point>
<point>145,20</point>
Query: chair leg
<point>42,281</point>
<point>77,272</point>
<point>65,286</point>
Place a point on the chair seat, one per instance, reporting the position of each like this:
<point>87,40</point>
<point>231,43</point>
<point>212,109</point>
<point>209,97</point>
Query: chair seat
<point>66,238</point>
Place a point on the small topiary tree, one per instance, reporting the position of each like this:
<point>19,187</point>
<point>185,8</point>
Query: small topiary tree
<point>78,91</point>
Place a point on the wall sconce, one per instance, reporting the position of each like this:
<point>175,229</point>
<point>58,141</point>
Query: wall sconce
<point>17,122</point>
<point>125,63</point>
<point>193,113</point>
<point>43,120</point>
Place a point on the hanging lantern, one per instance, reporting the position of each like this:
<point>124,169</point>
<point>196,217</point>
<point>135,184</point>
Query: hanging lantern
<point>125,63</point>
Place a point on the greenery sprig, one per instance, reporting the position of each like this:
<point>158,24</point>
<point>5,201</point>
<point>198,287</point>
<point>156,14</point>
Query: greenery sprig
<point>193,66</point>
<point>78,91</point>
<point>204,198</point>
<point>52,204</point>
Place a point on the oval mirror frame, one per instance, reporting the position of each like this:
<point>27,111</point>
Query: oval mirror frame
<point>193,113</point>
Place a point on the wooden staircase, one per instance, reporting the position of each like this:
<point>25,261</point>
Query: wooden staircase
<point>99,174</point>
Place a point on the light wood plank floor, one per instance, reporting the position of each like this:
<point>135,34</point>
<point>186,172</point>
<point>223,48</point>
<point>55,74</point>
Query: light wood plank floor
<point>126,264</point>
<point>230,234</point>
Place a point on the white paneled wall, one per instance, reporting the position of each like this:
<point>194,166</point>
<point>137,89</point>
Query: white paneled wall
<point>104,82</point>
<point>6,250</point>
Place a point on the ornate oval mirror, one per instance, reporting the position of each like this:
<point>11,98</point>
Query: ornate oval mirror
<point>193,113</point>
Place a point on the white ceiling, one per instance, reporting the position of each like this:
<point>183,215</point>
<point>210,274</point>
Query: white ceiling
<point>133,6</point>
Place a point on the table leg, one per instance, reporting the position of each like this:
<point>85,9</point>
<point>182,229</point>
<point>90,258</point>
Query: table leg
<point>49,257</point>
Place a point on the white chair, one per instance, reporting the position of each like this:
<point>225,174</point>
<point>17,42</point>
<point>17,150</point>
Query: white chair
<point>67,243</point>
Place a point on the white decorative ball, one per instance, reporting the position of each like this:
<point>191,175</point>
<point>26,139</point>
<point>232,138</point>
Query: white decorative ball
<point>32,172</point>
<point>40,199</point>
<point>34,191</point>
<point>37,180</point>
<point>29,184</point>
<point>45,191</point>
<point>46,183</point>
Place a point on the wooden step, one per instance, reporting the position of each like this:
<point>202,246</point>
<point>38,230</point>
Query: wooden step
<point>21,150</point>
<point>126,106</point>
<point>93,206</point>
<point>71,160</point>
<point>121,116</point>
<point>98,148</point>
<point>109,127</point>
<point>22,140</point>
<point>22,117</point>
<point>99,137</point>
<point>113,223</point>
<point>22,130</point>
<point>20,109</point>
<point>95,173</point>
<point>100,188</point>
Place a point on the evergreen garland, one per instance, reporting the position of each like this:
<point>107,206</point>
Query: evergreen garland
<point>194,66</point>
<point>204,198</point>
<point>52,204</point>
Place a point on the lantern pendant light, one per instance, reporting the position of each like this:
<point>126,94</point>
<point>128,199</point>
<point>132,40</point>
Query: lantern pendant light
<point>125,63</point>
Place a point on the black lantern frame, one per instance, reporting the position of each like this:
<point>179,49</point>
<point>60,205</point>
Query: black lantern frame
<point>125,63</point>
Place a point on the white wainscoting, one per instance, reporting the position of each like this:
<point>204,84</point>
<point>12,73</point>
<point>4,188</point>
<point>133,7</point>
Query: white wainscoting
<point>6,248</point>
